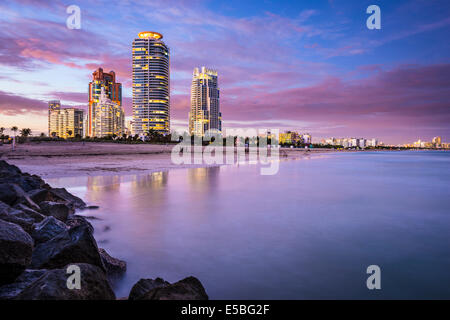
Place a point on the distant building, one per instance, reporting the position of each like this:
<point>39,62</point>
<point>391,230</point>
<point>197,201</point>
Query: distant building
<point>306,138</point>
<point>109,117</point>
<point>205,112</point>
<point>437,142</point>
<point>101,81</point>
<point>293,137</point>
<point>351,142</point>
<point>53,105</point>
<point>64,123</point>
<point>290,137</point>
<point>129,127</point>
<point>151,84</point>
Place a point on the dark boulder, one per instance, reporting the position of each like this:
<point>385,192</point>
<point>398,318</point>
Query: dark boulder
<point>21,215</point>
<point>16,248</point>
<point>5,167</point>
<point>29,182</point>
<point>60,195</point>
<point>68,198</point>
<point>53,286</point>
<point>145,285</point>
<point>114,267</point>
<point>47,229</point>
<point>76,245</point>
<point>40,195</point>
<point>19,218</point>
<point>58,210</point>
<point>75,220</point>
<point>36,216</point>
<point>11,194</point>
<point>11,291</point>
<point>186,289</point>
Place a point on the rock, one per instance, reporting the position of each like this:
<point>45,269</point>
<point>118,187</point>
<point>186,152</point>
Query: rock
<point>60,195</point>
<point>16,248</point>
<point>69,198</point>
<point>114,267</point>
<point>76,220</point>
<point>5,167</point>
<point>36,216</point>
<point>11,291</point>
<point>40,195</point>
<point>25,219</point>
<point>11,193</point>
<point>29,182</point>
<point>145,285</point>
<point>186,289</point>
<point>76,245</point>
<point>53,286</point>
<point>19,218</point>
<point>12,174</point>
<point>47,229</point>
<point>58,210</point>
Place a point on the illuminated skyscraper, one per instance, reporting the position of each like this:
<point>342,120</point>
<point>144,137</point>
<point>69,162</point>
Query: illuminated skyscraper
<point>109,117</point>
<point>107,82</point>
<point>65,123</point>
<point>205,107</point>
<point>437,141</point>
<point>151,84</point>
<point>52,106</point>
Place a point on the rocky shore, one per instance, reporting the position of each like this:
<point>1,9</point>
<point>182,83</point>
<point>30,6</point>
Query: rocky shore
<point>41,236</point>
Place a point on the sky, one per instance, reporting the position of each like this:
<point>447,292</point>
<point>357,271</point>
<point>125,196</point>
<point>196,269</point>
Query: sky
<point>309,66</point>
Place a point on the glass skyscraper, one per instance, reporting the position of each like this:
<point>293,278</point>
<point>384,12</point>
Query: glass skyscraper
<point>105,81</point>
<point>205,104</point>
<point>151,84</point>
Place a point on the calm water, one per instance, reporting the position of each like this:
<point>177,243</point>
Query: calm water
<point>308,232</point>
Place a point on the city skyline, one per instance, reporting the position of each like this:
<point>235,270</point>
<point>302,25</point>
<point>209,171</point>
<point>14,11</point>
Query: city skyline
<point>330,79</point>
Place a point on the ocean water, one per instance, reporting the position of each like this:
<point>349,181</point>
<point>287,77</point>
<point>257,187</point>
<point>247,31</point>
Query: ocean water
<point>308,232</point>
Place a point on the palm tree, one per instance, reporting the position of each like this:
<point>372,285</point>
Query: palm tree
<point>69,133</point>
<point>1,135</point>
<point>14,129</point>
<point>25,132</point>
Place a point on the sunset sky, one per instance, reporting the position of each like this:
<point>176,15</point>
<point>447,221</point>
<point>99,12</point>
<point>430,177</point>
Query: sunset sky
<point>311,66</point>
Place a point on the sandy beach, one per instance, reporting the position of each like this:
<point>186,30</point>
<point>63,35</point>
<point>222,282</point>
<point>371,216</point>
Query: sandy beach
<point>70,159</point>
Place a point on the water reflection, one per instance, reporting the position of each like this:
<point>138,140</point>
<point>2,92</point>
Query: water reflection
<point>289,238</point>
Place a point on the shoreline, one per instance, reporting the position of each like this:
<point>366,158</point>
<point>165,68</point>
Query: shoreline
<point>74,159</point>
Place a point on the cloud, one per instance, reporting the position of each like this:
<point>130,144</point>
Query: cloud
<point>11,104</point>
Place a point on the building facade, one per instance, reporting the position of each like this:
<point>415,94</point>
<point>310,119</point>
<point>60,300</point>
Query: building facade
<point>205,103</point>
<point>105,81</point>
<point>109,117</point>
<point>65,123</point>
<point>52,106</point>
<point>151,84</point>
<point>437,142</point>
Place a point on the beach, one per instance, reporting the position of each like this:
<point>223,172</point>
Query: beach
<point>72,159</point>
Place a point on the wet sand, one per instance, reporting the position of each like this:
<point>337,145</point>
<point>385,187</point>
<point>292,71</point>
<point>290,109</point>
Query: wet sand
<point>71,159</point>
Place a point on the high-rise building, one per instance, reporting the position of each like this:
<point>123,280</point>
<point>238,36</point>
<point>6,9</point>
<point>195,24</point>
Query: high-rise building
<point>65,123</point>
<point>107,82</point>
<point>437,141</point>
<point>205,103</point>
<point>289,137</point>
<point>52,106</point>
<point>151,84</point>
<point>109,117</point>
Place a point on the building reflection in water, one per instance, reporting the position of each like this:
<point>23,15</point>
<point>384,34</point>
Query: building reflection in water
<point>203,179</point>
